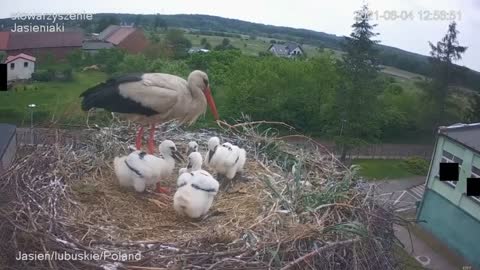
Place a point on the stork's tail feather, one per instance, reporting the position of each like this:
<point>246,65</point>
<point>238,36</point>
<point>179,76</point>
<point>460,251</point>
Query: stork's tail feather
<point>100,94</point>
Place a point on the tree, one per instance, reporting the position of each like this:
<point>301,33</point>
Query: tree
<point>203,41</point>
<point>75,58</point>
<point>474,116</point>
<point>355,117</point>
<point>225,45</point>
<point>138,20</point>
<point>154,37</point>
<point>158,22</point>
<point>133,63</point>
<point>176,40</point>
<point>443,72</point>
<point>207,46</point>
<point>225,42</point>
<point>109,59</point>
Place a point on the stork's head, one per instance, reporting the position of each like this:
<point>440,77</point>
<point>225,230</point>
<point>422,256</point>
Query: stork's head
<point>169,149</point>
<point>213,143</point>
<point>194,161</point>
<point>192,147</point>
<point>200,79</point>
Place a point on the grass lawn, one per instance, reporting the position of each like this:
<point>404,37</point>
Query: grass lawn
<point>379,169</point>
<point>57,102</point>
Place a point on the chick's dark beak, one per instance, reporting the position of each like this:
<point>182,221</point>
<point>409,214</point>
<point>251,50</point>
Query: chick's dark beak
<point>177,156</point>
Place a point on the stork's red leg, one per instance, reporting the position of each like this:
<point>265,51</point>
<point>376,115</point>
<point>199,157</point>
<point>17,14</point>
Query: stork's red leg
<point>138,141</point>
<point>151,145</point>
<point>151,149</point>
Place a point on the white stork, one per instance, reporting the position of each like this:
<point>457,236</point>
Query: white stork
<point>153,98</point>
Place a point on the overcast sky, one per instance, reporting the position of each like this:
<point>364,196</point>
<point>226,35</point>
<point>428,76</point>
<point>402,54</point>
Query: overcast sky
<point>333,17</point>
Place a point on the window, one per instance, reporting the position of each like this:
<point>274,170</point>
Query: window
<point>25,64</point>
<point>450,158</point>
<point>12,65</point>
<point>475,174</point>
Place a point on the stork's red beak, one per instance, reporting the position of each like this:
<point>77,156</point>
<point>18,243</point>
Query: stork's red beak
<point>211,103</point>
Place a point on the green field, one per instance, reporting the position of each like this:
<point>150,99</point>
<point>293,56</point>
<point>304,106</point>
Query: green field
<point>380,169</point>
<point>57,102</point>
<point>248,45</point>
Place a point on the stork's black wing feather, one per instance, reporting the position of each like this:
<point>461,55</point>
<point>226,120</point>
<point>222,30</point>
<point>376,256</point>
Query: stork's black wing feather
<point>106,95</point>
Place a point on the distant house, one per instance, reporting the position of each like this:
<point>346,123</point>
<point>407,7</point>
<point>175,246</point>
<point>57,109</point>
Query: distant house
<point>197,50</point>
<point>129,38</point>
<point>93,46</point>
<point>20,67</point>
<point>38,44</point>
<point>448,212</point>
<point>286,50</point>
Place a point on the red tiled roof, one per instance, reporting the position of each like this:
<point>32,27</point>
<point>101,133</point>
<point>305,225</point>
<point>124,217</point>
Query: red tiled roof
<point>44,40</point>
<point>22,55</point>
<point>108,31</point>
<point>4,40</point>
<point>120,34</point>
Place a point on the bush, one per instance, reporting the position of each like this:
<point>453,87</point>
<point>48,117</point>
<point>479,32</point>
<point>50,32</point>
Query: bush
<point>109,59</point>
<point>65,74</point>
<point>75,59</point>
<point>43,75</point>
<point>417,165</point>
<point>133,63</point>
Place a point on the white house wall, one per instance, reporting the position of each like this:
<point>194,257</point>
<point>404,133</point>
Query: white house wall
<point>296,51</point>
<point>20,72</point>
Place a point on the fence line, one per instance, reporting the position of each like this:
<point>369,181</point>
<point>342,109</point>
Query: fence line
<point>372,151</point>
<point>376,151</point>
<point>48,136</point>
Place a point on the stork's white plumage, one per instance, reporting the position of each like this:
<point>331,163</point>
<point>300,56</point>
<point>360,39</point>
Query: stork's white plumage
<point>195,193</point>
<point>194,163</point>
<point>226,159</point>
<point>153,98</point>
<point>192,147</point>
<point>139,169</point>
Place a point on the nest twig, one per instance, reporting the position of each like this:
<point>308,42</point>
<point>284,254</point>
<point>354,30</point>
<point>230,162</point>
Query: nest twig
<point>64,199</point>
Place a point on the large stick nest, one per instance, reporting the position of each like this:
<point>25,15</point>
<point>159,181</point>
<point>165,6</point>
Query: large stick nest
<point>65,198</point>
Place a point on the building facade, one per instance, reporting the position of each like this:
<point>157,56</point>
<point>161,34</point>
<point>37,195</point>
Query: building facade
<point>128,38</point>
<point>41,44</point>
<point>20,67</point>
<point>287,50</point>
<point>445,210</point>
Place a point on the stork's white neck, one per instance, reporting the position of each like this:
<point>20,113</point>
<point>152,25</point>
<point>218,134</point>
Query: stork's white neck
<point>195,90</point>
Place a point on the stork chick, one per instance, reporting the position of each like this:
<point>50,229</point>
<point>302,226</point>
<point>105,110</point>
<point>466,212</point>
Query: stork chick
<point>139,169</point>
<point>194,163</point>
<point>195,193</point>
<point>226,159</point>
<point>192,147</point>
